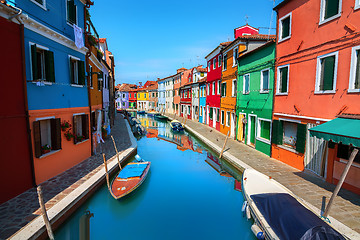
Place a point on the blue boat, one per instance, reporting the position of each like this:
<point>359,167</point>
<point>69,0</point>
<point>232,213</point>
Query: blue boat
<point>141,112</point>
<point>176,126</point>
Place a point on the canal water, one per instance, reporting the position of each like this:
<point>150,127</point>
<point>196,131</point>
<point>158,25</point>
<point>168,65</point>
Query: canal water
<point>188,194</point>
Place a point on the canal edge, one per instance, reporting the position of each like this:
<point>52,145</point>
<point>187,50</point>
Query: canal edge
<point>64,208</point>
<point>237,163</point>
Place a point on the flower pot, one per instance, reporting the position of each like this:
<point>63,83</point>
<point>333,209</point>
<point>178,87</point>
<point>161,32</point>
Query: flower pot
<point>46,151</point>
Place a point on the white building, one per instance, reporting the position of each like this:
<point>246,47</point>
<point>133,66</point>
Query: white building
<point>197,74</point>
<point>169,94</point>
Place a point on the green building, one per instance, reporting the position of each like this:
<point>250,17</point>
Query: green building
<point>254,104</point>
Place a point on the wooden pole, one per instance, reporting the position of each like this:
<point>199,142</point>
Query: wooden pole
<point>341,181</point>
<point>117,153</point>
<point>222,150</point>
<point>44,214</point>
<point>185,121</point>
<point>106,171</point>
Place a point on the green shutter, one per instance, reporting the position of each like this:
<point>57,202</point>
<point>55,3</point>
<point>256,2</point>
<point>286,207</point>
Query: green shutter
<point>331,8</point>
<point>81,72</point>
<point>35,75</point>
<point>277,132</point>
<point>285,27</point>
<point>301,138</point>
<point>283,79</point>
<point>328,74</point>
<point>49,66</point>
<point>357,73</point>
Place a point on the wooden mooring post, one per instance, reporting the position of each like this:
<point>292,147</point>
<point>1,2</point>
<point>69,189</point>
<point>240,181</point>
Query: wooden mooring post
<point>222,150</point>
<point>117,153</point>
<point>341,181</point>
<point>44,214</point>
<point>106,171</point>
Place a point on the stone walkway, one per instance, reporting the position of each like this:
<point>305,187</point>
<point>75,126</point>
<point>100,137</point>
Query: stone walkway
<point>346,207</point>
<point>19,211</point>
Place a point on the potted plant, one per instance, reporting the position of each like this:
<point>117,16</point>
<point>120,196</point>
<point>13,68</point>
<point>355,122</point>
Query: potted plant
<point>65,125</point>
<point>45,149</point>
<point>68,135</point>
<point>79,138</point>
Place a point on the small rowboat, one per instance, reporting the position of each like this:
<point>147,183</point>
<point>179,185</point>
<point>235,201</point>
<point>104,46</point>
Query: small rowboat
<point>176,126</point>
<point>278,213</point>
<point>129,178</point>
<point>158,116</point>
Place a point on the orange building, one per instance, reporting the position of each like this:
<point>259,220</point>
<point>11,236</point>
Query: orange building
<point>228,90</point>
<point>317,79</point>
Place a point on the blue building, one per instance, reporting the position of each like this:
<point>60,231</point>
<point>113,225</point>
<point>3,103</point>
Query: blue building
<point>202,100</point>
<point>161,96</point>
<point>56,83</point>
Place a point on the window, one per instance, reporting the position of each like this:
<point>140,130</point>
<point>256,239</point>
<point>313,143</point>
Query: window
<point>40,3</point>
<point>214,63</point>
<point>208,68</point>
<point>235,55</point>
<point>282,80</point>
<point>123,95</point>
<point>246,84</point>
<point>354,82</point>
<point>219,60</point>
<point>228,119</point>
<point>208,90</point>
<point>289,134</point>
<point>263,130</point>
<point>71,12</point>
<point>213,88</point>
<point>129,95</point>
<point>330,9</point>
<point>218,115</point>
<point>77,71</point>
<point>218,87</point>
<point>81,127</point>
<point>47,136</point>
<point>357,4</point>
<point>188,109</point>
<point>42,64</point>
<point>211,113</point>
<point>222,117</point>
<point>225,62</point>
<point>344,152</point>
<point>201,111</point>
<point>285,27</point>
<point>223,89</point>
<point>234,88</point>
<point>264,81</point>
<point>326,73</point>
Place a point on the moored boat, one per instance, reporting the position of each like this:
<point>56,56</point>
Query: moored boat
<point>278,213</point>
<point>152,113</point>
<point>158,116</point>
<point>129,178</point>
<point>141,112</point>
<point>176,126</point>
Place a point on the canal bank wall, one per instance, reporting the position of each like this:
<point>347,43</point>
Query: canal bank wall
<point>72,190</point>
<point>310,189</point>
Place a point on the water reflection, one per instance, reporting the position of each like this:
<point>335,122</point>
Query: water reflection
<point>84,226</point>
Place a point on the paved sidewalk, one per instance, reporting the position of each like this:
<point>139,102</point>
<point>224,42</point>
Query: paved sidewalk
<point>21,210</point>
<point>346,207</point>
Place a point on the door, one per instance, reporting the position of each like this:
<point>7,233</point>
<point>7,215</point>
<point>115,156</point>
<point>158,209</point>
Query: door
<point>207,117</point>
<point>214,117</point>
<point>241,128</point>
<point>251,132</point>
<point>232,125</point>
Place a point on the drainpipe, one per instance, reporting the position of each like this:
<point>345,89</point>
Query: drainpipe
<point>26,104</point>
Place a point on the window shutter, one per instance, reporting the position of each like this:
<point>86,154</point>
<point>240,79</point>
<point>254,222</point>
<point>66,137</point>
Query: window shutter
<point>81,72</point>
<point>329,67</point>
<point>277,132</point>
<point>357,75</point>
<point>37,138</point>
<point>35,75</point>
<point>284,76</point>
<point>49,66</point>
<point>331,8</point>
<point>75,129</point>
<point>56,134</point>
<point>72,76</point>
<point>85,125</point>
<point>301,138</point>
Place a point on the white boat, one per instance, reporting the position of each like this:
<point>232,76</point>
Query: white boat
<point>278,213</point>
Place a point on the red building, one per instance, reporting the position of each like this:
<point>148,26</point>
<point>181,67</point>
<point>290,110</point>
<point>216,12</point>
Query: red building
<point>133,98</point>
<point>16,165</point>
<point>185,100</point>
<point>317,82</point>
<point>213,98</point>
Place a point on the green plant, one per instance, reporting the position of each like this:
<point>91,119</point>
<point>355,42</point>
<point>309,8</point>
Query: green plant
<point>45,148</point>
<point>99,54</point>
<point>79,138</point>
<point>65,125</point>
<point>92,40</point>
<point>68,135</point>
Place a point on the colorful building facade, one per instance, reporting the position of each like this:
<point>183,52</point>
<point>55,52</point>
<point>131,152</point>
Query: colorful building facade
<point>255,97</point>
<point>317,89</point>
<point>202,100</point>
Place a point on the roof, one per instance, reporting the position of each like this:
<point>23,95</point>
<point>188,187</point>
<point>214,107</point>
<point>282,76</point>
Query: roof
<point>341,129</point>
<point>282,3</point>
<point>254,37</point>
<point>202,80</point>
<point>201,69</point>
<point>102,40</point>
<point>153,86</point>
<point>125,87</point>
<point>257,49</point>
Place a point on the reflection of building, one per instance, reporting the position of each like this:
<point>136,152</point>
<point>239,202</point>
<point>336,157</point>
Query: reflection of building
<point>216,164</point>
<point>152,133</point>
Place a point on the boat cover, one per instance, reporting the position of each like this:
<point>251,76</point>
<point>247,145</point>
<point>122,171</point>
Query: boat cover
<point>132,170</point>
<point>291,220</point>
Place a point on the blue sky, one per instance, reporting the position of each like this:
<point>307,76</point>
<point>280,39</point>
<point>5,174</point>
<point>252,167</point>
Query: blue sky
<point>151,39</point>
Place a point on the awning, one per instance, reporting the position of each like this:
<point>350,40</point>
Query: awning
<point>344,130</point>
